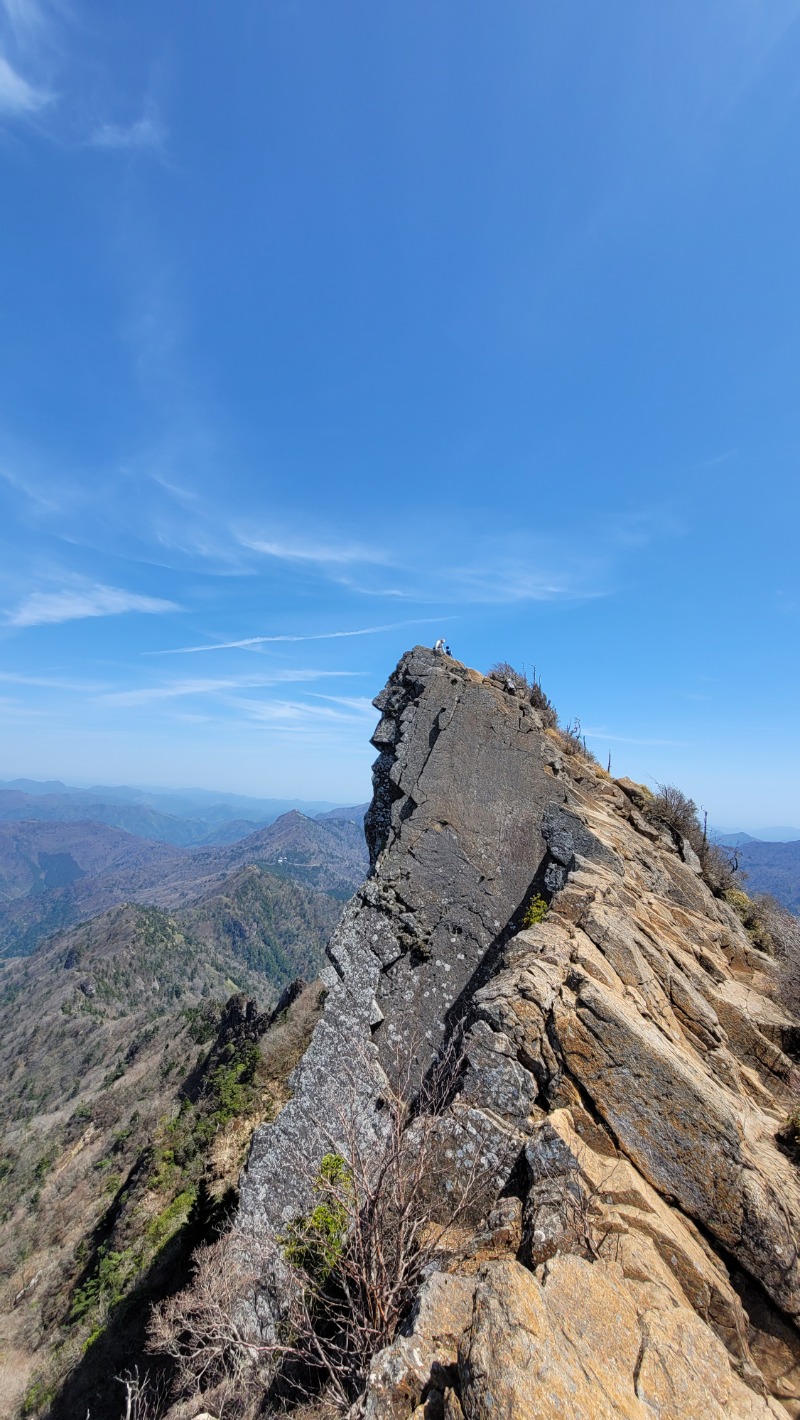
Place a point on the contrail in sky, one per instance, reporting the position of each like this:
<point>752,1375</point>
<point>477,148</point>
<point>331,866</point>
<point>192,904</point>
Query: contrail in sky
<point>314,636</point>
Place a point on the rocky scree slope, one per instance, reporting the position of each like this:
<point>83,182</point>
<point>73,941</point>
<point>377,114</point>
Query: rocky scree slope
<point>624,1058</point>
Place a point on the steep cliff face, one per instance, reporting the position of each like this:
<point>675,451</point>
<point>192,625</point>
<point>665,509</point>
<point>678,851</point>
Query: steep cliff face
<point>455,839</point>
<point>624,1055</point>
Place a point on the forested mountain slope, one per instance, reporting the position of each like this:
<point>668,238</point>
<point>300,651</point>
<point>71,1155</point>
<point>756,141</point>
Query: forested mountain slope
<point>128,1090</point>
<point>773,868</point>
<point>54,874</point>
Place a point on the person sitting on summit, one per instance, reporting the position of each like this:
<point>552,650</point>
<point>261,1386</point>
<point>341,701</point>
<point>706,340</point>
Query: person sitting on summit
<point>439,647</point>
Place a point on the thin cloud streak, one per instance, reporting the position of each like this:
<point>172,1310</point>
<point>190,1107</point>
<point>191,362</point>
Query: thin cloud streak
<point>293,711</point>
<point>149,694</point>
<point>43,501</point>
<point>17,96</point>
<point>77,602</point>
<point>25,30</point>
<point>361,704</point>
<point>631,740</point>
<point>315,636</point>
<point>51,682</point>
<point>24,16</point>
<point>510,585</point>
<point>145,133</point>
<point>323,553</point>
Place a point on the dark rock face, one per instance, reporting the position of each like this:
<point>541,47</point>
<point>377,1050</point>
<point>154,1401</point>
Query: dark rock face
<point>568,838</point>
<point>454,833</point>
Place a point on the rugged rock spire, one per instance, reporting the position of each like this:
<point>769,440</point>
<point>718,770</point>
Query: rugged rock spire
<point>626,1049</point>
<point>455,838</point>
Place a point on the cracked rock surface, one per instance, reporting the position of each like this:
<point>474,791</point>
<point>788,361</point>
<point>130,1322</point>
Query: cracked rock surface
<point>624,1055</point>
<point>455,839</point>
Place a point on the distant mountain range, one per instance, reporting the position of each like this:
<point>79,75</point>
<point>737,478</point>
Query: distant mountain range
<point>768,865</point>
<point>55,874</point>
<point>182,817</point>
<point>779,834</point>
<point>773,868</point>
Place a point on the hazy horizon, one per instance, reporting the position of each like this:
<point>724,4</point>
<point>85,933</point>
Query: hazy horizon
<point>224,791</point>
<point>89,785</point>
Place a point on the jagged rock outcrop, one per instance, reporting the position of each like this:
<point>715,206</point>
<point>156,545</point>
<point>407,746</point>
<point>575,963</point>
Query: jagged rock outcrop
<point>624,1056</point>
<point>455,840</point>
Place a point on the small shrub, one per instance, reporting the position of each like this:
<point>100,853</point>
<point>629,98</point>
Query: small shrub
<point>674,809</point>
<point>671,806</point>
<point>161,1228</point>
<point>760,916</point>
<point>107,1285</point>
<point>314,1243</point>
<point>114,1074</point>
<point>43,1166</point>
<point>535,912</point>
<point>120,1137</point>
<point>529,689</point>
<point>571,738</point>
<point>573,741</point>
<point>231,1085</point>
<point>719,867</point>
<point>38,1397</point>
<point>201,1021</point>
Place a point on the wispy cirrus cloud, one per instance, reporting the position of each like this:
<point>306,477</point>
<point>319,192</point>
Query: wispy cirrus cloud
<point>324,553</point>
<point>507,582</point>
<point>359,704</point>
<point>184,525</point>
<point>299,712</point>
<point>80,600</point>
<point>496,572</point>
<point>26,18</point>
<point>592,734</point>
<point>34,48</point>
<point>248,641</point>
<point>51,682</point>
<point>175,690</point>
<point>23,31</point>
<point>29,490</point>
<point>144,133</point>
<point>17,95</point>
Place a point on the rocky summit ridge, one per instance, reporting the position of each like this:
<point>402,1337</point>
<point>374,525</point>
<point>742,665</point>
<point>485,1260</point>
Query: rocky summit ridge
<point>625,1069</point>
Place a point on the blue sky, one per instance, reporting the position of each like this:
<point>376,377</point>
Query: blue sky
<point>326,329</point>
